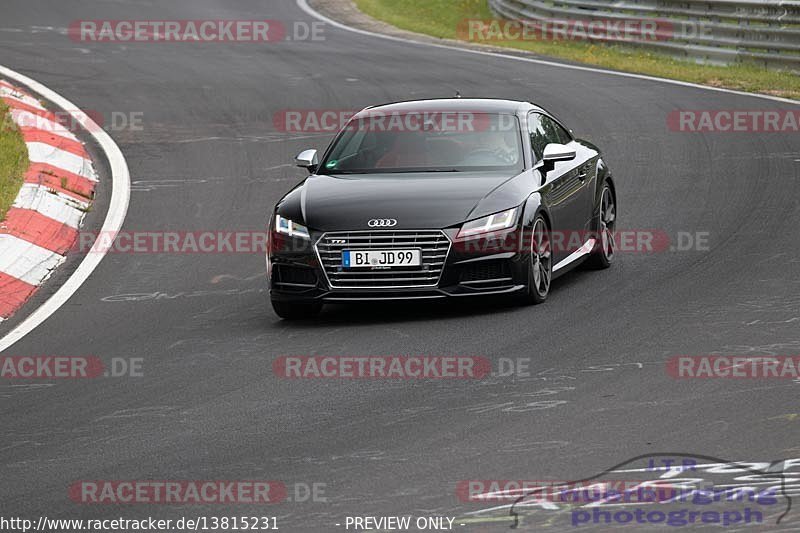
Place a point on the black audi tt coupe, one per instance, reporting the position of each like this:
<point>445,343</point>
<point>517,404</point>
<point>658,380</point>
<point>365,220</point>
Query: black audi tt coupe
<point>441,199</point>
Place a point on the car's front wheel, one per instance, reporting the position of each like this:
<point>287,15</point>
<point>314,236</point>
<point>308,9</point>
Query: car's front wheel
<point>540,271</point>
<point>296,310</point>
<point>603,253</point>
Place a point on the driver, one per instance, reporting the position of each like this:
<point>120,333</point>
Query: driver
<point>495,149</point>
<point>506,146</point>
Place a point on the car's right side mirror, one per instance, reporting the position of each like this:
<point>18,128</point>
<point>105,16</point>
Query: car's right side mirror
<point>307,159</point>
<point>558,152</point>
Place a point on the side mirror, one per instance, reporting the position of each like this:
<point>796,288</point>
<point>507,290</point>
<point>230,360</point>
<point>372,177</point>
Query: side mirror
<point>307,159</point>
<point>555,152</point>
<point>558,152</point>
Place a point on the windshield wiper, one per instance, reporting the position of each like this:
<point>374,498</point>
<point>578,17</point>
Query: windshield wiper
<point>426,170</point>
<point>346,172</point>
<point>331,172</point>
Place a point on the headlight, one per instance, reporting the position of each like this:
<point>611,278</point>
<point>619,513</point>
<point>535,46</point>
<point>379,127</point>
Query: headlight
<point>269,245</point>
<point>498,221</point>
<point>290,228</point>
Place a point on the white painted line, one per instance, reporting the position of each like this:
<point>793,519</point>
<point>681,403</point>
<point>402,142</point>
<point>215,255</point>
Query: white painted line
<point>59,207</point>
<point>26,119</point>
<point>26,261</point>
<point>118,208</point>
<point>9,92</point>
<point>47,153</point>
<point>303,4</point>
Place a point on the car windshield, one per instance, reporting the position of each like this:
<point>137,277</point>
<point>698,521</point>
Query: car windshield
<point>426,142</point>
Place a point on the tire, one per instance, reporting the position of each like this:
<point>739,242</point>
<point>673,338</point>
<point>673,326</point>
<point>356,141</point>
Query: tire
<point>296,310</point>
<point>603,253</point>
<point>540,270</point>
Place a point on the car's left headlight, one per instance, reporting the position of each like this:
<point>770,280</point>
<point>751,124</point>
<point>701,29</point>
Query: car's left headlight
<point>496,222</point>
<point>291,228</point>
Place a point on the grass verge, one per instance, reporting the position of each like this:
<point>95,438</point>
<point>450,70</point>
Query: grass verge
<point>13,160</point>
<point>440,18</point>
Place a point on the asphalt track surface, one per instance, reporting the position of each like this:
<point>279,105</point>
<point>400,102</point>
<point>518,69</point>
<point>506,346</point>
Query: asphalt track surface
<point>209,406</point>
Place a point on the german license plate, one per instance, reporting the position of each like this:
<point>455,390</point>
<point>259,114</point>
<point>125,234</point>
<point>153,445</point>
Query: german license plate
<point>381,258</point>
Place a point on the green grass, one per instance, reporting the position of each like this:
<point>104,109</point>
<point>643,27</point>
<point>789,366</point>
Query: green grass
<point>13,160</point>
<point>440,18</point>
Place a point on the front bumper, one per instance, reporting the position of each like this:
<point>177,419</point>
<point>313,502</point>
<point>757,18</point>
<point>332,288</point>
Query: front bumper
<point>483,266</point>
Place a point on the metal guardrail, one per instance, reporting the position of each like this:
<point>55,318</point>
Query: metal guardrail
<point>765,32</point>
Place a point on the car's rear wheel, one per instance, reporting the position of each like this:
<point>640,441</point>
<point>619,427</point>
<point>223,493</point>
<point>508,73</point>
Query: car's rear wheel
<point>540,271</point>
<point>296,310</point>
<point>603,253</point>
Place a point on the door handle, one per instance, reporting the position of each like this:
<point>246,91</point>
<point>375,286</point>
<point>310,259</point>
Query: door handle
<point>582,175</point>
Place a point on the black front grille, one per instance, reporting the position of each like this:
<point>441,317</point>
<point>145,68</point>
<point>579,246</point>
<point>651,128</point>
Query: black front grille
<point>434,245</point>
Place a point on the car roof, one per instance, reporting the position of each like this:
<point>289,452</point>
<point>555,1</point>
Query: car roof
<point>475,105</point>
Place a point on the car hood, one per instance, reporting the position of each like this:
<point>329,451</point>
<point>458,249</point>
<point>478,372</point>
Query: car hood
<point>416,201</point>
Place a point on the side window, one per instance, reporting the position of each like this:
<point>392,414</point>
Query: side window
<point>343,159</point>
<point>544,131</point>
<point>563,135</point>
<point>538,135</point>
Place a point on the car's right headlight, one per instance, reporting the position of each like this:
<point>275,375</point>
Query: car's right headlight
<point>496,222</point>
<point>291,228</point>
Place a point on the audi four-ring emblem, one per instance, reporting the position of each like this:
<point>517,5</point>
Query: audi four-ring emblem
<point>382,223</point>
